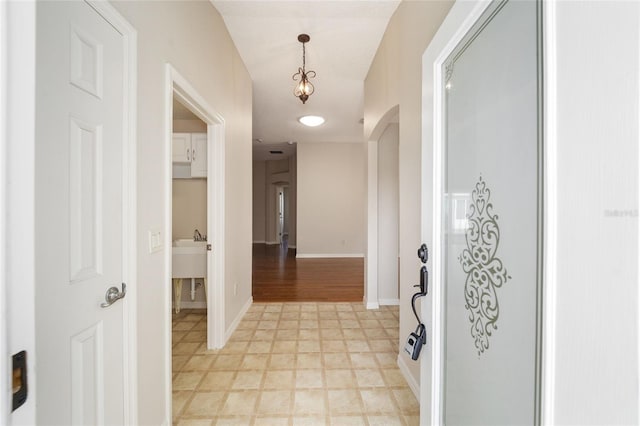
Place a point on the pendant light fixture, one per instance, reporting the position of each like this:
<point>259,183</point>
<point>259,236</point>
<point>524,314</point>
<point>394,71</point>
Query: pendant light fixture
<point>304,88</point>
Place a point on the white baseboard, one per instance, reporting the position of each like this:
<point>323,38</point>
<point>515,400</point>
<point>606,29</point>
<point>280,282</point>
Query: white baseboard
<point>237,320</point>
<point>292,246</point>
<point>370,304</point>
<point>404,369</point>
<point>272,243</point>
<point>326,255</point>
<point>259,242</point>
<point>390,302</point>
<point>188,304</point>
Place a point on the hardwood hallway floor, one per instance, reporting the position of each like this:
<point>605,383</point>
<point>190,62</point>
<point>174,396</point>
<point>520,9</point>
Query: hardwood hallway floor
<point>279,277</point>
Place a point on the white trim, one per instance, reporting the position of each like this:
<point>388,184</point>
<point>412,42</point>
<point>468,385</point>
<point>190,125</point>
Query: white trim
<point>259,242</point>
<point>292,246</point>
<point>129,206</point>
<point>327,255</point>
<point>236,321</point>
<point>458,22</point>
<point>550,236</point>
<point>389,302</point>
<point>371,261</point>
<point>406,373</point>
<point>370,305</point>
<point>272,243</point>
<point>5,368</point>
<point>177,86</point>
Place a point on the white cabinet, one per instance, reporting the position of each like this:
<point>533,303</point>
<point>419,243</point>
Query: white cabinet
<point>189,155</point>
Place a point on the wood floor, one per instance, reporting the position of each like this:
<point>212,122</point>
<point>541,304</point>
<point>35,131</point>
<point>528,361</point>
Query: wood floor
<point>279,277</point>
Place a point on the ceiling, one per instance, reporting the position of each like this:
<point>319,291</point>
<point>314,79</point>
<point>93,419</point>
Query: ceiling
<point>345,35</point>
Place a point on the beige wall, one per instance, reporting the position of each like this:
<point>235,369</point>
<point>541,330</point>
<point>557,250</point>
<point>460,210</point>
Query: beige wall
<point>259,200</point>
<point>331,199</point>
<point>189,126</point>
<point>192,37</point>
<point>395,78</point>
<point>388,215</point>
<point>189,207</point>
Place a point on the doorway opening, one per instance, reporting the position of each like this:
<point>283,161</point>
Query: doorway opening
<point>194,173</point>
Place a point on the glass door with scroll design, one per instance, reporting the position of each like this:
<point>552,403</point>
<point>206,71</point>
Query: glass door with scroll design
<point>491,224</point>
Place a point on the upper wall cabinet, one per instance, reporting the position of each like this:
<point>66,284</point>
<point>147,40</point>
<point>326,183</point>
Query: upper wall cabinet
<point>189,155</point>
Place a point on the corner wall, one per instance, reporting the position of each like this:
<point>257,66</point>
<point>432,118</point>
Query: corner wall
<point>193,38</point>
<point>395,78</point>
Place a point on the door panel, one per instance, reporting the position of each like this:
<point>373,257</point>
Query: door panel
<point>491,212</point>
<point>79,220</point>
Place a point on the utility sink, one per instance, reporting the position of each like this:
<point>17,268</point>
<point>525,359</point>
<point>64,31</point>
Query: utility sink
<point>189,259</point>
<point>189,243</point>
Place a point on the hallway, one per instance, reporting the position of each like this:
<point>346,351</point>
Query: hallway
<point>279,277</point>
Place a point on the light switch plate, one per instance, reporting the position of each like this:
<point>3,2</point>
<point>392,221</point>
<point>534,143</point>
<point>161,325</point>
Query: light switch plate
<point>155,240</point>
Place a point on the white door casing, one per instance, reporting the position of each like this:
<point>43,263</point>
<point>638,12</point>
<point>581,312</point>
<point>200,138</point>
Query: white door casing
<point>176,86</point>
<point>85,214</point>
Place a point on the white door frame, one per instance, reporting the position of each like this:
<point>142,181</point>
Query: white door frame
<point>17,82</point>
<point>461,18</point>
<point>371,294</point>
<point>177,86</point>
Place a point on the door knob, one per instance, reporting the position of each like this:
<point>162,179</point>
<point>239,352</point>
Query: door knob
<point>113,295</point>
<point>423,253</point>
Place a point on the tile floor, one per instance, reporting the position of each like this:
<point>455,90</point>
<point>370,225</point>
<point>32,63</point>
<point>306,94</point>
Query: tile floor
<point>293,364</point>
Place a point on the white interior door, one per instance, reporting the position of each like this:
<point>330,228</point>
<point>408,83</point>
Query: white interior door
<point>79,216</point>
<point>491,226</point>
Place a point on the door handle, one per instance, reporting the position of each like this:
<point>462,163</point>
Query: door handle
<point>113,295</point>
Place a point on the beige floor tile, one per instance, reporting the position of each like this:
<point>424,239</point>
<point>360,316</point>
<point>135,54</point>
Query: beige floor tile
<point>271,421</point>
<point>386,359</point>
<point>384,345</point>
<point>344,307</point>
<point>407,401</point>
<point>393,377</point>
<point>265,335</point>
<point>284,346</point>
<point>412,420</point>
<point>369,378</point>
<point>275,402</point>
<point>308,346</point>
<point>370,325</point>
<point>259,347</point>
<point>232,421</point>
<point>378,401</point>
<point>179,400</point>
<point>331,334</point>
<point>286,334</point>
<point>350,315</point>
<point>267,325</point>
<point>240,403</point>
<point>309,334</point>
<point>313,324</point>
<point>195,422</point>
<point>279,379</point>
<point>332,324</point>
<point>255,362</point>
<point>227,362</point>
<point>334,346</point>
<point>288,325</point>
<point>270,316</point>
<point>241,336</point>
<point>291,307</point>
<point>309,421</point>
<point>205,404</point>
<point>248,380</point>
<point>325,315</point>
<point>306,379</point>
<point>336,360</point>
<point>363,360</point>
<point>217,380</point>
<point>326,307</point>
<point>184,348</point>
<point>309,360</point>
<point>200,326</point>
<point>309,307</point>
<point>195,336</point>
<point>184,326</point>
<point>235,348</point>
<point>247,325</point>
<point>347,421</point>
<point>384,421</point>
<point>290,316</point>
<point>345,401</point>
<point>353,334</point>
<point>273,307</point>
<point>177,336</point>
<point>358,346</point>
<point>346,323</point>
<point>309,316</point>
<point>309,402</point>
<point>340,379</point>
<point>198,363</point>
<point>375,333</point>
<point>187,380</point>
<point>179,361</point>
<point>282,361</point>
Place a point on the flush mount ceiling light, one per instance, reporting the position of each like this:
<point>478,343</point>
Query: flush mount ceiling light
<point>311,120</point>
<point>304,88</point>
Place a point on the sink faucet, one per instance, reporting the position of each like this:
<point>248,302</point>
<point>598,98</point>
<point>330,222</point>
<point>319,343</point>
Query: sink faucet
<point>197,236</point>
